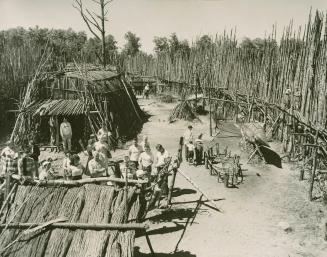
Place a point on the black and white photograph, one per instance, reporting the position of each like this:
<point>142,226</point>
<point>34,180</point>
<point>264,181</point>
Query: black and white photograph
<point>163,128</point>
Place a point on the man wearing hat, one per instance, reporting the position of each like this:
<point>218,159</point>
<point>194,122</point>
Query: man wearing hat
<point>188,136</point>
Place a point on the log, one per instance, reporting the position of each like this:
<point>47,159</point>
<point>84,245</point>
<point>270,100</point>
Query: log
<point>8,198</point>
<point>314,167</point>
<point>85,226</point>
<point>199,189</point>
<point>79,182</point>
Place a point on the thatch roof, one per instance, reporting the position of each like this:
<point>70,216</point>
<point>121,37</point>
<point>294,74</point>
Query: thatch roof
<point>85,204</point>
<point>58,107</point>
<point>92,75</point>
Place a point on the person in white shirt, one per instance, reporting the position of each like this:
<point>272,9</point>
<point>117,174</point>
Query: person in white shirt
<point>66,134</point>
<point>188,136</point>
<point>146,160</point>
<point>146,91</point>
<point>134,152</point>
<point>190,150</point>
<point>161,157</point>
<point>96,167</point>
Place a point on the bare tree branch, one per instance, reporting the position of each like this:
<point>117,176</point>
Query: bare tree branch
<point>95,23</point>
<point>97,2</point>
<point>85,18</point>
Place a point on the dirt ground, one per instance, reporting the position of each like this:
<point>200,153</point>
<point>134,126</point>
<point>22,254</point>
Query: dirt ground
<point>267,215</point>
<point>255,215</point>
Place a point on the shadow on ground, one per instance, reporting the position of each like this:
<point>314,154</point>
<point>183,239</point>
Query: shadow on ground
<point>173,214</point>
<point>137,253</point>
<point>185,191</point>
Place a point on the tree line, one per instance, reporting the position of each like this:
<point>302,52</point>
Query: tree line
<point>21,50</point>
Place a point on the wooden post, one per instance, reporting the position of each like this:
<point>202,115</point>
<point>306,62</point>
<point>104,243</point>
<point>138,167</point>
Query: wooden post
<point>236,107</point>
<point>210,114</point>
<point>149,244</point>
<point>171,188</point>
<point>57,126</point>
<point>126,195</point>
<point>314,167</point>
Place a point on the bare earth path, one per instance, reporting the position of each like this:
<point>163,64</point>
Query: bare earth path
<point>249,225</point>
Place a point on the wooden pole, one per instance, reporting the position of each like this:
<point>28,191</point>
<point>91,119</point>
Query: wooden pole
<point>199,189</point>
<point>210,114</point>
<point>126,194</point>
<point>86,226</point>
<point>149,244</point>
<point>79,182</point>
<point>8,198</point>
<point>314,167</point>
<point>171,188</point>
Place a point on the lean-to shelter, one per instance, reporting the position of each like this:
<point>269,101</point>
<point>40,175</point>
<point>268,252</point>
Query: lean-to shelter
<point>86,97</point>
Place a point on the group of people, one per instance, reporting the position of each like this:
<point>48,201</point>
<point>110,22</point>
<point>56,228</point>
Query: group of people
<point>24,162</point>
<point>193,147</point>
<point>140,160</point>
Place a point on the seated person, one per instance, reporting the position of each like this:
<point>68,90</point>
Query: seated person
<point>26,166</point>
<point>190,152</point>
<point>75,170</point>
<point>96,167</point>
<point>9,159</point>
<point>47,171</point>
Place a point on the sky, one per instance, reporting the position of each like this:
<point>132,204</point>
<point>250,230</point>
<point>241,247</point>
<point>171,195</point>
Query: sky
<point>149,18</point>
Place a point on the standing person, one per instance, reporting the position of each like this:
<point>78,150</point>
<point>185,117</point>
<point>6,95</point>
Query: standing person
<point>162,160</point>
<point>146,91</point>
<point>35,153</point>
<point>190,151</point>
<point>125,168</point>
<point>66,134</point>
<point>26,166</point>
<point>52,125</point>
<point>146,160</point>
<point>103,149</point>
<point>89,150</point>
<point>103,133</point>
<point>161,157</point>
<point>198,151</point>
<point>145,142</point>
<point>188,136</point>
<point>134,152</point>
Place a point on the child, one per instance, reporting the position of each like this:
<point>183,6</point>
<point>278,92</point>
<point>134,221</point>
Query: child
<point>125,167</point>
<point>47,171</point>
<point>190,147</point>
